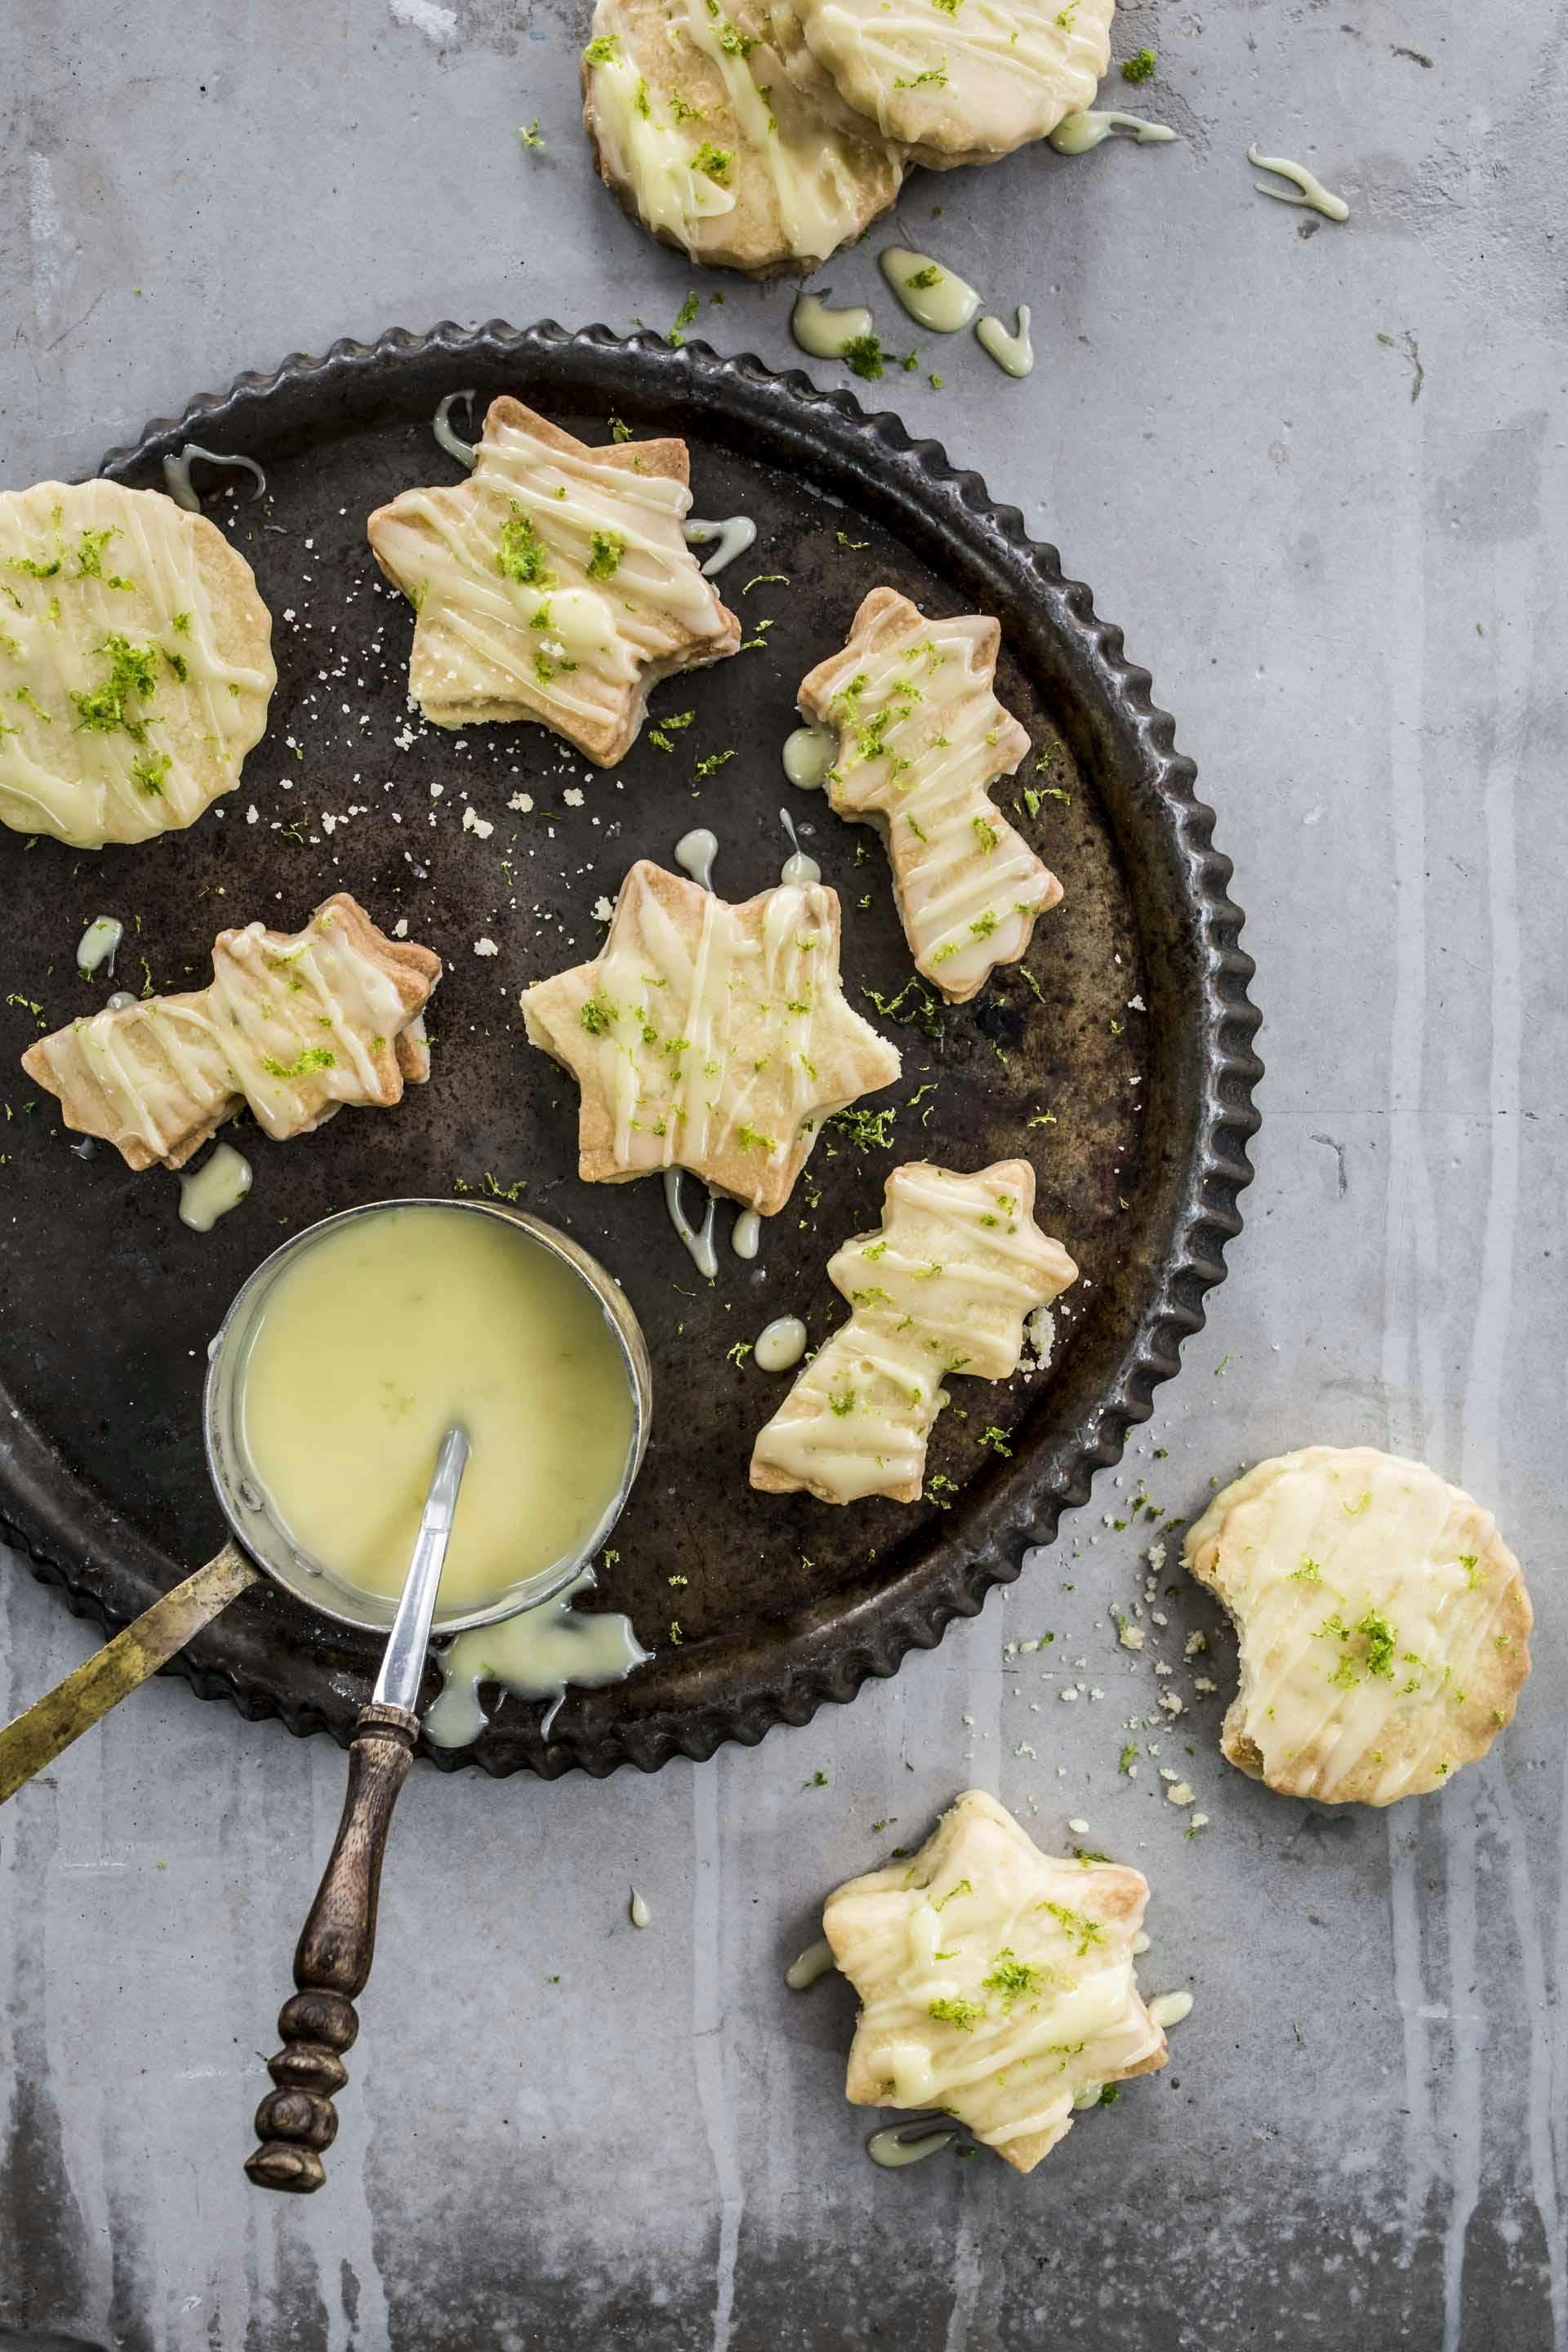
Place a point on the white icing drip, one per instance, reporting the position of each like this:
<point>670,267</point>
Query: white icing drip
<point>698,1240</point>
<point>119,1001</point>
<point>637,1910</point>
<point>1312,191</point>
<point>827,334</point>
<point>746,1238</point>
<point>465,452</point>
<point>1014,354</point>
<point>943,305</point>
<point>218,1186</point>
<point>695,853</point>
<point>900,2143</point>
<point>808,755</point>
<point>535,1653</point>
<point>734,535</point>
<point>781,1344</point>
<point>799,867</point>
<point>99,945</point>
<point>177,474</point>
<point>1075,134</point>
<point>1169,2009</point>
<point>813,1962</point>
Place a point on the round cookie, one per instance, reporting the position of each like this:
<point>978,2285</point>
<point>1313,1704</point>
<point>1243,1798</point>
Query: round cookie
<point>135,663</point>
<point>1383,1623</point>
<point>700,132</point>
<point>958,81</point>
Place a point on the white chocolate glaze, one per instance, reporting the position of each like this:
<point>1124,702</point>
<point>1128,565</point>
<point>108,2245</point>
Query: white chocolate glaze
<point>934,296</point>
<point>746,1235</point>
<point>1015,353</point>
<point>940,1288</point>
<point>220,1184</point>
<point>292,1026</point>
<point>809,180</point>
<point>779,1345</point>
<point>466,452</point>
<point>177,474</point>
<point>920,736</point>
<point>813,1962</point>
<point>799,867</point>
<point>134,667</point>
<point>548,583</point>
<point>392,1328</point>
<point>808,753</point>
<point>637,1910</point>
<point>896,2145</point>
<point>1383,1623</point>
<point>697,1240</point>
<point>708,1036</point>
<point>1311,189</point>
<point>996,1983</point>
<point>695,853</point>
<point>537,1653</point>
<point>1168,2008</point>
<point>827,334</point>
<point>99,945</point>
<point>1077,135</point>
<point>734,535</point>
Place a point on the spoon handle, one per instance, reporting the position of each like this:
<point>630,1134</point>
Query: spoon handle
<point>297,2118</point>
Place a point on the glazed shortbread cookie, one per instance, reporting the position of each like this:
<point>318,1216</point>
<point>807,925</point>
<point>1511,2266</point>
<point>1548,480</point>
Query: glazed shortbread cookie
<point>135,663</point>
<point>940,1288</point>
<point>710,1037</point>
<point>1383,1622</point>
<point>996,1983</point>
<point>702,133</point>
<point>554,585</point>
<point>921,735</point>
<point>293,1027</point>
<point>959,81</point>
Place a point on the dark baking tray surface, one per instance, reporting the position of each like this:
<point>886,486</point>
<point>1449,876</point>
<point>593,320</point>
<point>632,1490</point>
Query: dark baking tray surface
<point>107,1302</point>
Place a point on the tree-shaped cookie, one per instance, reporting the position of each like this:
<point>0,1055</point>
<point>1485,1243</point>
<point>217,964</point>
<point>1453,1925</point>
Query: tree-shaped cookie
<point>135,663</point>
<point>554,585</point>
<point>1385,1624</point>
<point>711,1037</point>
<point>940,1288</point>
<point>996,1983</point>
<point>920,737</point>
<point>293,1026</point>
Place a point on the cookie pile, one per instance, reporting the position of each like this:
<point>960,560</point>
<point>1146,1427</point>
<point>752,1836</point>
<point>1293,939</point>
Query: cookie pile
<point>765,138</point>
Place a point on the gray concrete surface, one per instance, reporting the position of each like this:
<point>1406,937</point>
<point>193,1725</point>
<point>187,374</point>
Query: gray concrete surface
<point>1317,474</point>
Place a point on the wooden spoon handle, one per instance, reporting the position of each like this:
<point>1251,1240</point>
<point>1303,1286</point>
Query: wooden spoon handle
<point>73,1706</point>
<point>296,2120</point>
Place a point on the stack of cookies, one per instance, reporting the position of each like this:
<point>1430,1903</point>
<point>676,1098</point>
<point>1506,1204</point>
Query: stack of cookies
<point>764,139</point>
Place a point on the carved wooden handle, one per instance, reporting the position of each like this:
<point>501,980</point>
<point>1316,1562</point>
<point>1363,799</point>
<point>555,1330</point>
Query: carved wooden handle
<point>296,2120</point>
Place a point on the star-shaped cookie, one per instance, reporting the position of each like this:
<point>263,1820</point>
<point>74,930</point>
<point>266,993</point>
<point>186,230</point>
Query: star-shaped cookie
<point>1385,1624</point>
<point>554,585</point>
<point>711,1037</point>
<point>996,1983</point>
<point>941,1286</point>
<point>294,1027</point>
<point>920,736</point>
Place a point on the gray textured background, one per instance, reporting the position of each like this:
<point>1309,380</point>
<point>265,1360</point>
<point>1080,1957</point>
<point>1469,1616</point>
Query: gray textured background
<point>1349,596</point>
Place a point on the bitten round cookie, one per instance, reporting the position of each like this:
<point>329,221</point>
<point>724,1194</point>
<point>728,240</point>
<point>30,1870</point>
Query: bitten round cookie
<point>135,663</point>
<point>1383,1622</point>
<point>700,131</point>
<point>957,81</point>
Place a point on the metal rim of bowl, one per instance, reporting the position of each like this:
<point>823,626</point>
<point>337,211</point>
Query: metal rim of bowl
<point>269,1546</point>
